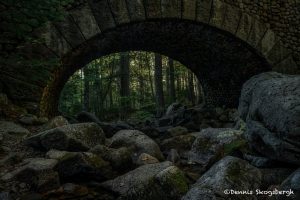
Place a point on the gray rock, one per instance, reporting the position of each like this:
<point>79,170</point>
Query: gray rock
<point>291,183</point>
<point>112,128</point>
<point>55,122</point>
<point>37,172</point>
<point>148,182</point>
<point>138,140</point>
<point>68,191</point>
<point>109,128</point>
<point>176,131</point>
<point>120,159</point>
<point>258,161</point>
<point>10,129</point>
<point>229,173</point>
<point>73,137</point>
<point>145,159</point>
<point>182,143</point>
<point>213,144</point>
<point>269,104</point>
<point>173,108</point>
<point>274,176</point>
<point>74,166</point>
<point>11,159</point>
<point>30,119</point>
<point>173,156</point>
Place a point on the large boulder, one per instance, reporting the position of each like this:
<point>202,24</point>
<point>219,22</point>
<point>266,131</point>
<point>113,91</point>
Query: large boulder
<point>138,140</point>
<point>269,104</point>
<point>73,137</point>
<point>228,174</point>
<point>120,159</point>
<point>37,172</point>
<point>274,176</point>
<point>10,129</point>
<point>55,122</point>
<point>11,134</point>
<point>181,143</point>
<point>145,159</point>
<point>109,128</point>
<point>214,143</point>
<point>29,119</point>
<point>177,130</point>
<point>148,182</point>
<point>291,183</point>
<point>78,166</point>
<point>8,110</point>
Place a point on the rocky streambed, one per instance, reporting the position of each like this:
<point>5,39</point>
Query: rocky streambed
<point>189,154</point>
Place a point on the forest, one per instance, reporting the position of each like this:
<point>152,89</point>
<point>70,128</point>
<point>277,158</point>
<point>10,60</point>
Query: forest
<point>137,85</point>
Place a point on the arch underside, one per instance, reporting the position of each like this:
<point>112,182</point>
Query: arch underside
<point>221,62</point>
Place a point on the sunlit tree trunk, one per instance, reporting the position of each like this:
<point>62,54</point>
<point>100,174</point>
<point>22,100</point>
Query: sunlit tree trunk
<point>150,75</point>
<point>172,81</point>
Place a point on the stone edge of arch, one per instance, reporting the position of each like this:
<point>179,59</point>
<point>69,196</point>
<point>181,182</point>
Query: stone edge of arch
<point>102,16</point>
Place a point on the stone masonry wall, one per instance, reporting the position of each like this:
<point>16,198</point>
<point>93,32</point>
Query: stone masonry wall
<point>283,17</point>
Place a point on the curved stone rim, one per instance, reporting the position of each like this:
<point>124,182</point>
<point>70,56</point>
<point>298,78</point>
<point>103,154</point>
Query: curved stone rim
<point>104,16</point>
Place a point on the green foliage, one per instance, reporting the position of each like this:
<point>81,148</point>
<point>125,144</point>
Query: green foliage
<point>142,115</point>
<point>103,78</point>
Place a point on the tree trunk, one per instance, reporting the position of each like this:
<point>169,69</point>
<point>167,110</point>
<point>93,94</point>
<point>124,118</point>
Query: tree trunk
<point>150,75</point>
<point>125,83</point>
<point>200,97</point>
<point>86,91</point>
<point>159,85</point>
<point>172,81</point>
<point>191,87</point>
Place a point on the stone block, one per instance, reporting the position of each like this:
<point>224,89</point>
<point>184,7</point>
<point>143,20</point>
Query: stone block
<point>55,41</point>
<point>189,9</point>
<point>119,10</point>
<point>257,32</point>
<point>69,30</point>
<point>203,10</point>
<point>86,21</point>
<point>217,14</point>
<point>171,8</point>
<point>267,42</point>
<point>136,10</point>
<point>153,8</point>
<point>102,14</point>
<point>244,27</point>
<point>232,19</point>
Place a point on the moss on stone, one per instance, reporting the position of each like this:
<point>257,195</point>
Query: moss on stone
<point>234,145</point>
<point>179,181</point>
<point>96,161</point>
<point>174,180</point>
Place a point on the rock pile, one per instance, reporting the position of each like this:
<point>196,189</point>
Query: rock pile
<point>178,157</point>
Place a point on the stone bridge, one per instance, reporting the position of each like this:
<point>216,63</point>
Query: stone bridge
<point>224,42</point>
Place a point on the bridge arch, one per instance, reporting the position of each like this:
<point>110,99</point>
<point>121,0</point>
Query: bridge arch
<point>219,42</point>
